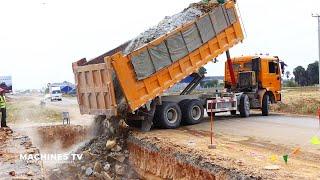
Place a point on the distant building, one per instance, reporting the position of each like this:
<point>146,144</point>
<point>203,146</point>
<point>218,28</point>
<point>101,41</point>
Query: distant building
<point>6,83</point>
<point>66,87</point>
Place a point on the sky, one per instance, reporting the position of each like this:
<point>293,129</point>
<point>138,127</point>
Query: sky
<point>39,39</point>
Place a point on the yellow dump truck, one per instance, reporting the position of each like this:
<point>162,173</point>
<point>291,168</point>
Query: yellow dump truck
<point>257,84</point>
<point>131,86</point>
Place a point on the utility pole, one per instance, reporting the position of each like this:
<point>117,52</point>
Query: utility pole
<point>318,17</point>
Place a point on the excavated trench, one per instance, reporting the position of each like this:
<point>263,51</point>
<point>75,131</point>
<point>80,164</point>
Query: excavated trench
<point>60,137</point>
<point>147,157</point>
<point>151,161</point>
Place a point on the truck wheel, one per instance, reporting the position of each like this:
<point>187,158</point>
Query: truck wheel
<point>265,105</point>
<point>168,115</point>
<point>244,106</point>
<point>192,111</point>
<point>233,113</point>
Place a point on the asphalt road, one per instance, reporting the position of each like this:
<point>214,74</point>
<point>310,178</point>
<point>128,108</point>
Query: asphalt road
<point>276,129</point>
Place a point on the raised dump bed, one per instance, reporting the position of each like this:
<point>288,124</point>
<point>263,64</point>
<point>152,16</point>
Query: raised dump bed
<point>127,82</point>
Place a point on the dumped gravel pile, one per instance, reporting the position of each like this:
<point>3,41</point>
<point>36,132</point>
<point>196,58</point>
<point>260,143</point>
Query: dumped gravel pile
<point>169,23</point>
<point>105,156</point>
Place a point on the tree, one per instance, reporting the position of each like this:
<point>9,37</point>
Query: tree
<point>313,73</point>
<point>300,76</point>
<point>288,73</point>
<point>209,84</point>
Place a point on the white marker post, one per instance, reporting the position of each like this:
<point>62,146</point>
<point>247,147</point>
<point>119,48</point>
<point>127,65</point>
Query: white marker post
<point>318,17</point>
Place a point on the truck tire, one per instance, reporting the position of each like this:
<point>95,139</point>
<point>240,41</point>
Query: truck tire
<point>265,105</point>
<point>168,115</point>
<point>244,106</point>
<point>192,111</point>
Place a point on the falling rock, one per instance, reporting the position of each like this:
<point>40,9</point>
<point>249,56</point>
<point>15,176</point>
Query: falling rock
<point>89,171</point>
<point>117,148</point>
<point>98,176</point>
<point>110,144</point>
<point>120,158</point>
<point>87,154</point>
<point>107,167</point>
<point>106,176</point>
<point>120,170</point>
<point>97,167</point>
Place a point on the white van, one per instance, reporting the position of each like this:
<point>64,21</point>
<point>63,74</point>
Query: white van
<point>55,93</point>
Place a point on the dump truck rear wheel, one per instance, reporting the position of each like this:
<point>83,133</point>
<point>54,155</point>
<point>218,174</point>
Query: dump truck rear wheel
<point>265,105</point>
<point>192,111</point>
<point>168,115</point>
<point>244,106</point>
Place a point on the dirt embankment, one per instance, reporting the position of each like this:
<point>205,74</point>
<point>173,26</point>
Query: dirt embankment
<point>184,154</point>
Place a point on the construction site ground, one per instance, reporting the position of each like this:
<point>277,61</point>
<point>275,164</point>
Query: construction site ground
<point>245,147</point>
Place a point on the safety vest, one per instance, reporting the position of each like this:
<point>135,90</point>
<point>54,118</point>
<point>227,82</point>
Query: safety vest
<point>2,102</point>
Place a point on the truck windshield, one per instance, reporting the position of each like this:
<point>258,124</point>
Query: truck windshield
<point>56,92</point>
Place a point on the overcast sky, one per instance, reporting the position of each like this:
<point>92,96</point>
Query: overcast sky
<point>39,39</point>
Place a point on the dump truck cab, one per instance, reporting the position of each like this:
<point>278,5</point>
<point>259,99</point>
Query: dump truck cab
<point>259,77</point>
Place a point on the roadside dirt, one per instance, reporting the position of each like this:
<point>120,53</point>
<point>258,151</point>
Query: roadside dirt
<point>13,144</point>
<point>167,153</point>
<point>294,101</point>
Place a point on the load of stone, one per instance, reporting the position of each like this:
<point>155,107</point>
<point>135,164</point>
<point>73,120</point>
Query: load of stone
<point>169,23</point>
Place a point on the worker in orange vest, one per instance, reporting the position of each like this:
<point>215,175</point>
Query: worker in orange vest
<point>3,106</point>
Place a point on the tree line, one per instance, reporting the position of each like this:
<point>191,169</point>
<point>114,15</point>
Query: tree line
<point>306,77</point>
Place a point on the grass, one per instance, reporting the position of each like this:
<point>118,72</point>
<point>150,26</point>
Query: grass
<point>301,100</point>
<point>23,111</point>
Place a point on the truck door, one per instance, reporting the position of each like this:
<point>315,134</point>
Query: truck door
<point>256,68</point>
<point>273,78</point>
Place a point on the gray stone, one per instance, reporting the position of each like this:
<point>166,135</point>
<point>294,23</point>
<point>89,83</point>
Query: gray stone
<point>89,171</point>
<point>107,167</point>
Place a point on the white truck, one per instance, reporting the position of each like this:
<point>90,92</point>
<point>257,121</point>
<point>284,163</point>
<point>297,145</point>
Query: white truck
<point>55,93</point>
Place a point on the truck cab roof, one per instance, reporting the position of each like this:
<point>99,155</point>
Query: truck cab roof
<point>250,57</point>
